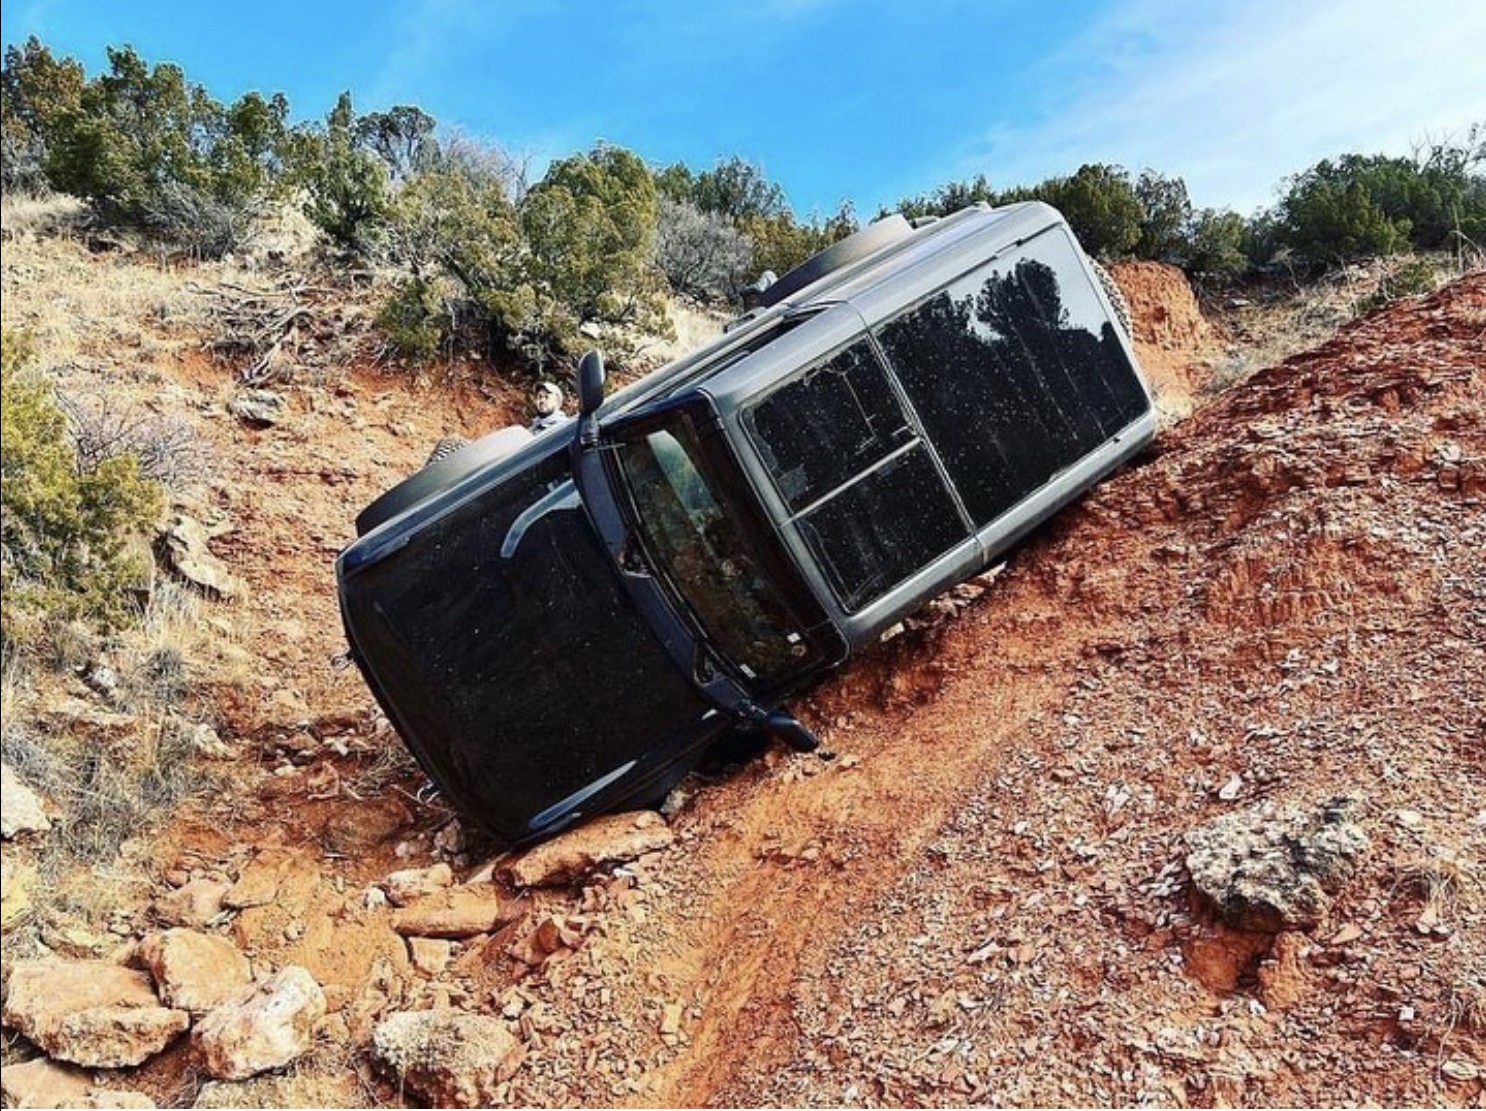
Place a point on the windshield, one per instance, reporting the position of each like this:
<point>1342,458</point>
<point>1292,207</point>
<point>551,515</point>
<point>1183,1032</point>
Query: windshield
<point>709,542</point>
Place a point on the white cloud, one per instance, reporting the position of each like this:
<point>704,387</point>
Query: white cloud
<point>1232,96</point>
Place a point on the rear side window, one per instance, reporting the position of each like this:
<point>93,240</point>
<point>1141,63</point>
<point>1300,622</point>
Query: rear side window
<point>855,474</point>
<point>833,422</point>
<point>1015,373</point>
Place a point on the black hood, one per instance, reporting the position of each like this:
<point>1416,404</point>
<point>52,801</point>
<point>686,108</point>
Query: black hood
<point>499,640</point>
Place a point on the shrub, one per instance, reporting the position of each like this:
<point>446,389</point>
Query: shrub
<point>1215,246</point>
<point>195,221</point>
<point>348,194</point>
<point>64,529</point>
<point>412,320</point>
<point>700,253</point>
<point>1411,279</point>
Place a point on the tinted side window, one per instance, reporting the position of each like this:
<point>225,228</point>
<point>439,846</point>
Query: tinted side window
<point>831,423</point>
<point>878,531</point>
<point>1015,373</point>
<point>855,474</point>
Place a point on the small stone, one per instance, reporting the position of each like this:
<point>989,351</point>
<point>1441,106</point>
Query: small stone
<point>448,1058</point>
<point>1409,819</point>
<point>429,955</point>
<point>404,886</point>
<point>103,679</point>
<point>260,408</point>
<point>257,883</point>
<point>266,1026</point>
<point>195,972</point>
<point>16,883</point>
<point>356,829</point>
<point>20,807</point>
<point>1461,1069</point>
<point>572,855</point>
<point>457,912</point>
<point>670,1019</point>
<point>195,904</point>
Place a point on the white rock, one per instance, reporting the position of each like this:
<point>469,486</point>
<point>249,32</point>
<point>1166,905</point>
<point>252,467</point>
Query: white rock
<point>264,1027</point>
<point>20,807</point>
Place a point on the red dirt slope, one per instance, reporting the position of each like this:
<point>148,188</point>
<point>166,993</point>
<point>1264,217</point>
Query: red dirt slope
<point>982,898</point>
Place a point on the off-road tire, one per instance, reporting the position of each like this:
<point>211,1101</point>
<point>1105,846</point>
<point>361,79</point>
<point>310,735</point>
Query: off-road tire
<point>1116,297</point>
<point>445,448</point>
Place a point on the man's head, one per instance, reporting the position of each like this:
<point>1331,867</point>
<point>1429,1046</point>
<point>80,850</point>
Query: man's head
<point>547,398</point>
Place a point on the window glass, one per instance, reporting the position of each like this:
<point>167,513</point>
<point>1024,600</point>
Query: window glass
<point>880,530</point>
<point>1015,373</point>
<point>700,542</point>
<point>833,422</point>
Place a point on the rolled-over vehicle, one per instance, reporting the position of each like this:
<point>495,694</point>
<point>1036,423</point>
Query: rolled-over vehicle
<point>563,624</point>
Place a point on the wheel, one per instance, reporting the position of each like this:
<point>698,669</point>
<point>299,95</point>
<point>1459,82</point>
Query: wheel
<point>856,246</point>
<point>451,460</point>
<point>1116,296</point>
<point>445,448</point>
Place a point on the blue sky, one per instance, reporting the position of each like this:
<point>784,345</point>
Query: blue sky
<point>850,98</point>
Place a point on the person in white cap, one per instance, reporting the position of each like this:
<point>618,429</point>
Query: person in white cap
<point>546,399</point>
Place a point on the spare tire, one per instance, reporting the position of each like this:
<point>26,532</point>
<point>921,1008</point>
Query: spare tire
<point>451,461</point>
<point>855,247</point>
<point>445,448</point>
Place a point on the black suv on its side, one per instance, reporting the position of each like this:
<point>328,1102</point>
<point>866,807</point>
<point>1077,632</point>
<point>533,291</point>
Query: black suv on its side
<point>565,627</point>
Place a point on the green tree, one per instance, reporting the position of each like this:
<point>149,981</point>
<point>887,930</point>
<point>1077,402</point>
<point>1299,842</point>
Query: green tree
<point>402,137</point>
<point>1329,215</point>
<point>37,93</point>
<point>1216,245</point>
<point>1165,216</point>
<point>589,225</point>
<point>738,190</point>
<point>1100,205</point>
<point>63,528</point>
<point>349,195</point>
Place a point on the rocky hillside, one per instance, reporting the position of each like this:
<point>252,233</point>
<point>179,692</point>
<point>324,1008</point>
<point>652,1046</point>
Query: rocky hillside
<point>1184,806</point>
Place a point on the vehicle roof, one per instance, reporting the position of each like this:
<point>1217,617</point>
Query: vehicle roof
<point>882,286</point>
<point>740,360</point>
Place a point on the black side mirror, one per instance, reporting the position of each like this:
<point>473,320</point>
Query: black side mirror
<point>792,731</point>
<point>590,383</point>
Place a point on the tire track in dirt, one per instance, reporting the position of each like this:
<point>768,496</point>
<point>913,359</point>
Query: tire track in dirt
<point>770,903</point>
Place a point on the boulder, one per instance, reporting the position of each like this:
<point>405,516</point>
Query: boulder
<point>92,1013</point>
<point>413,883</point>
<point>476,908</point>
<point>265,1026</point>
<point>572,855</point>
<point>195,903</point>
<point>43,1083</point>
<point>185,547</point>
<point>1266,870</point>
<point>194,971</point>
<point>121,1099</point>
<point>449,1058</point>
<point>305,1089</point>
<point>20,807</point>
